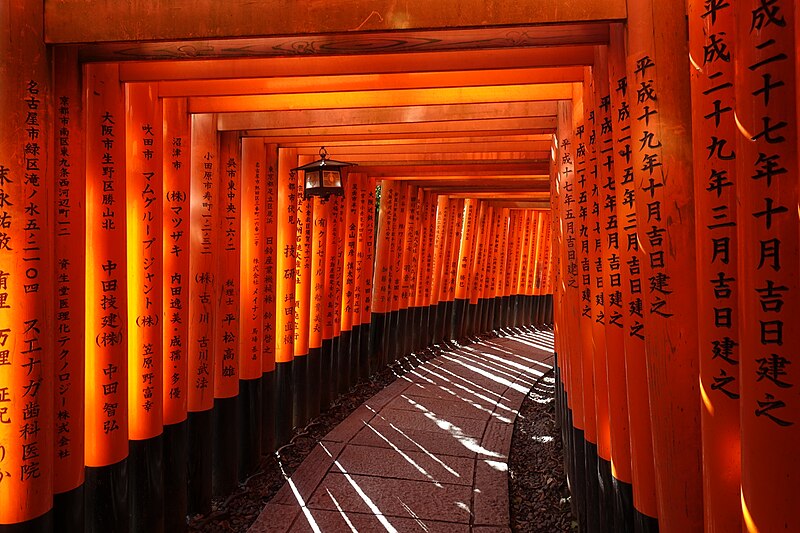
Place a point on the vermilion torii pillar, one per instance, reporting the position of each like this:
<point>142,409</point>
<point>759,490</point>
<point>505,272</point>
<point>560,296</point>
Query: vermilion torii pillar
<point>711,35</point>
<point>144,284</point>
<point>658,85</point>
<point>765,57</point>
<point>26,274</point>
<point>176,239</point>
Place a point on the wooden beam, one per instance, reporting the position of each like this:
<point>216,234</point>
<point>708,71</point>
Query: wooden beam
<point>271,120</point>
<point>205,67</point>
<point>369,82</point>
<point>379,99</point>
<point>477,168</point>
<point>345,151</point>
<point>69,21</point>
<point>394,141</point>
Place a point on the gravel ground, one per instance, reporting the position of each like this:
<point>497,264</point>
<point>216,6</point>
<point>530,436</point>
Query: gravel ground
<point>537,486</point>
<point>240,509</point>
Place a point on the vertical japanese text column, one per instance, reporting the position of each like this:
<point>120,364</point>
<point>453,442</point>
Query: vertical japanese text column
<point>26,272</point>
<point>144,208</point>
<point>765,55</point>
<point>711,34</point>
<point>175,317</point>
<point>106,301</point>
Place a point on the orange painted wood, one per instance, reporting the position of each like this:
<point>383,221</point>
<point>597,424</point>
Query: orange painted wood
<point>303,277</point>
<point>478,266</point>
<point>70,265</point>
<point>440,244</point>
<point>631,288</point>
<point>337,234</point>
<point>145,275</point>
<point>381,297</point>
<point>176,165</point>
<point>425,226</point>
<point>568,209</point>
<point>608,257</point>
<point>366,236</point>
<point>321,213</point>
<point>712,77</point>
<point>764,50</point>
<point>596,272</point>
<point>367,82</point>
<point>106,429</point>
<point>27,325</point>
<point>227,276</point>
<point>251,272</point>
<point>582,223</point>
<point>662,161</point>
<point>402,248</point>
<point>350,251</point>
<point>203,197</point>
<point>466,249</point>
<point>271,254</point>
<point>286,263</point>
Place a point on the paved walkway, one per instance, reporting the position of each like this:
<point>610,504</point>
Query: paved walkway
<point>428,453</point>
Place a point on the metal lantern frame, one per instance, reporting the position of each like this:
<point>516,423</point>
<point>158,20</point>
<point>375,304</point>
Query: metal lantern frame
<point>324,177</point>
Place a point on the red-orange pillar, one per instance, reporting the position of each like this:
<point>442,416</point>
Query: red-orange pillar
<point>26,272</point>
<point>658,78</point>
<point>381,303</point>
<point>713,121</point>
<point>227,319</point>
<point>251,314</point>
<point>611,305</point>
<point>366,255</point>
<point>347,354</point>
<point>70,268</point>
<point>269,290</point>
<point>284,291</point>
<point>631,257</point>
<point>144,211</point>
<point>302,299</point>
<point>765,55</point>
<point>176,236</point>
<point>317,374</point>
<point>204,194</point>
<point>106,413</point>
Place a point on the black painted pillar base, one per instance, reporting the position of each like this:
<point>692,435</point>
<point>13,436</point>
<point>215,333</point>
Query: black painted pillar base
<point>592,488</point>
<point>458,317</point>
<point>623,506</point>
<point>341,367</point>
<point>198,425</point>
<point>39,524</point>
<point>440,335</point>
<point>283,402</point>
<point>536,313</point>
<point>176,446</point>
<point>606,495</point>
<point>314,373</point>
<point>352,355</point>
<point>580,492</point>
<point>548,314</point>
<point>643,523</point>
<point>345,378</point>
<point>106,498</point>
<point>473,314</point>
<point>146,484</point>
<point>225,433</point>
<point>299,390</point>
<point>327,383</point>
<point>268,413</point>
<point>250,419</point>
<point>449,334</point>
<point>428,318</point>
<point>497,318</point>
<point>376,333</point>
<point>401,334</point>
<point>363,351</point>
<point>68,513</point>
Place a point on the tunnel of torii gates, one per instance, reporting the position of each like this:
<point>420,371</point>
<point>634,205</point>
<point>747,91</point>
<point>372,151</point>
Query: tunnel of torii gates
<point>171,306</point>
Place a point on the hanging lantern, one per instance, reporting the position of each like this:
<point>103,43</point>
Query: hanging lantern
<point>324,176</point>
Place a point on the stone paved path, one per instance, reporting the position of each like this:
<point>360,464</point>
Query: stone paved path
<point>428,453</point>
